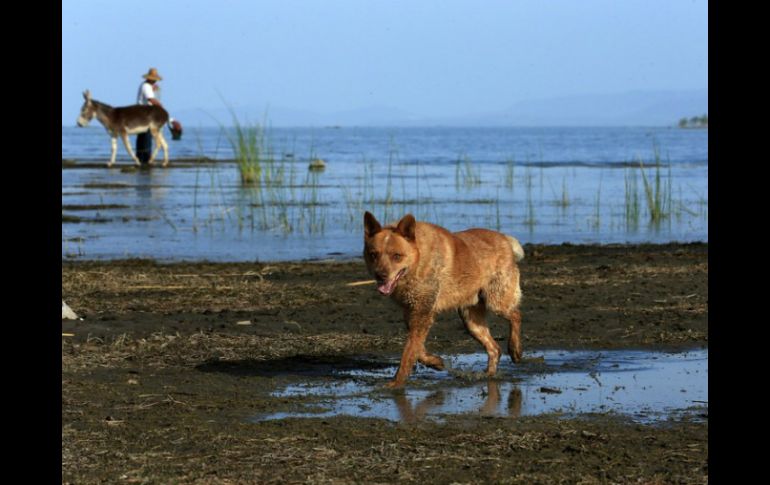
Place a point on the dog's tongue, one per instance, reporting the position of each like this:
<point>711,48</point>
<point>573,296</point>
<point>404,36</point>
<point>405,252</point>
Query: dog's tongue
<point>386,288</point>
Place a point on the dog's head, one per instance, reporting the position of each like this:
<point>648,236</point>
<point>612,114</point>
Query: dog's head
<point>390,252</point>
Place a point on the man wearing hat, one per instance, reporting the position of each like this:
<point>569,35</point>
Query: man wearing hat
<point>148,94</point>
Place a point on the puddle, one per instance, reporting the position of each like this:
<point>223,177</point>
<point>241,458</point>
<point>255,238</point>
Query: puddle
<point>645,386</point>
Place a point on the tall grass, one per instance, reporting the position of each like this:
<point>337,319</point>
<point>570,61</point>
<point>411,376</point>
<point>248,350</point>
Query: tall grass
<point>510,170</point>
<point>529,219</point>
<point>389,184</point>
<point>632,203</point>
<point>248,148</point>
<point>562,201</point>
<point>465,173</point>
<point>255,155</point>
<point>597,219</point>
<point>657,192</point>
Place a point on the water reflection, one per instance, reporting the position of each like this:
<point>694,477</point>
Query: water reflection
<point>411,412</point>
<point>646,386</point>
<point>149,184</point>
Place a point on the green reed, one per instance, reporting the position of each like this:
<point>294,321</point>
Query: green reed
<point>529,219</point>
<point>632,195</point>
<point>465,174</point>
<point>658,193</point>
<point>562,201</point>
<point>510,169</point>
<point>597,221</point>
<point>248,148</point>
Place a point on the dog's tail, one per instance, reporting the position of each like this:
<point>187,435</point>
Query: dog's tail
<point>518,251</point>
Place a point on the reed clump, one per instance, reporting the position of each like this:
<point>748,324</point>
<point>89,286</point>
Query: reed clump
<point>657,191</point>
<point>466,175</point>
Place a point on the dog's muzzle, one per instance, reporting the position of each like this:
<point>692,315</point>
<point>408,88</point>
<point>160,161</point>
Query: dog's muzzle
<point>386,287</point>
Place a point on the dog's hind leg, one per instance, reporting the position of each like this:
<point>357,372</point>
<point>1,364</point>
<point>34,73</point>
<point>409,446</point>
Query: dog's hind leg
<point>474,319</point>
<point>512,313</point>
<point>504,299</point>
<point>514,340</point>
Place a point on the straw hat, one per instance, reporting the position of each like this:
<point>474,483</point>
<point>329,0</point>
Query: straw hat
<point>152,74</point>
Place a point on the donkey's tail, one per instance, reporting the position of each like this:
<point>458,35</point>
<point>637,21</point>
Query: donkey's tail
<point>518,251</point>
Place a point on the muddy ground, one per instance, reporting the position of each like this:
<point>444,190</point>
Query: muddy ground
<point>162,376</point>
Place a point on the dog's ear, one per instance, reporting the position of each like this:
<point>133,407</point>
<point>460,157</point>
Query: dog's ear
<point>86,94</point>
<point>371,226</point>
<point>406,227</point>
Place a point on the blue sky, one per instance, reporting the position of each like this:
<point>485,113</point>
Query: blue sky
<point>433,58</point>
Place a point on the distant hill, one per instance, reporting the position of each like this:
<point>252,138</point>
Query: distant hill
<point>638,108</point>
<point>635,108</point>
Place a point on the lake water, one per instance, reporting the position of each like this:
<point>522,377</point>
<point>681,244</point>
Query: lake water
<point>542,185</point>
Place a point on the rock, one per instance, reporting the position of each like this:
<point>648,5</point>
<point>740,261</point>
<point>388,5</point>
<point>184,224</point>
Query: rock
<point>317,164</point>
<point>550,390</point>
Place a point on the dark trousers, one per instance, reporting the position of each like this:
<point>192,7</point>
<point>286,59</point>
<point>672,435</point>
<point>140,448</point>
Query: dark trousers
<point>144,146</point>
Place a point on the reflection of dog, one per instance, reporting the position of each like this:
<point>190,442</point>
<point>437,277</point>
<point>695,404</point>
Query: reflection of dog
<point>409,414</point>
<point>493,400</point>
<point>427,270</point>
<point>412,414</point>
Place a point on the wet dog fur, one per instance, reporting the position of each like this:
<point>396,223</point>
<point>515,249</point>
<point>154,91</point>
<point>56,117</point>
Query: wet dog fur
<point>427,270</point>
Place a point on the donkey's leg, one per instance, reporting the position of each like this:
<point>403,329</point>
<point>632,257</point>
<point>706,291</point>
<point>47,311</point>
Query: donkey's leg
<point>114,148</point>
<point>129,149</point>
<point>154,133</point>
<point>165,149</point>
<point>160,141</point>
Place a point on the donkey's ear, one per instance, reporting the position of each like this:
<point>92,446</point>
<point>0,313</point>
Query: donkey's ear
<point>371,226</point>
<point>87,94</point>
<point>406,227</point>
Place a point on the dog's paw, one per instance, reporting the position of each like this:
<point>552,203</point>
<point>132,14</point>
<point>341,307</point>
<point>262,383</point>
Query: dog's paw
<point>394,384</point>
<point>434,362</point>
<point>515,354</point>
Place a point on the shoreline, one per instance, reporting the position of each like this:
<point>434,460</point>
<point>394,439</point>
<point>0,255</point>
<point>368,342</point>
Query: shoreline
<point>355,257</point>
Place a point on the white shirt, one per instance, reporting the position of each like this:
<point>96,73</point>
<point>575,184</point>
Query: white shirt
<point>146,92</point>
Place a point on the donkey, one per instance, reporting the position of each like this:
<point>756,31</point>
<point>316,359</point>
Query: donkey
<point>128,120</point>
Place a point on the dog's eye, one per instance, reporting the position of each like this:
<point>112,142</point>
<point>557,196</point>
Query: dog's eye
<point>397,257</point>
<point>373,254</point>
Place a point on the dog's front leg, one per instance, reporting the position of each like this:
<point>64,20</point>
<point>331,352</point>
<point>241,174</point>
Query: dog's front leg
<point>419,325</point>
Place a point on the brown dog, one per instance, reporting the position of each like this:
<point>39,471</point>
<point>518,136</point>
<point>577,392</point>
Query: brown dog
<point>428,270</point>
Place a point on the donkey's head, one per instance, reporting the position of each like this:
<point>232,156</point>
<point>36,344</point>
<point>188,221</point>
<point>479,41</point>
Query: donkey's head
<point>87,111</point>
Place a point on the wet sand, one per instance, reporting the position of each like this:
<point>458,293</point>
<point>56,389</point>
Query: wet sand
<point>162,378</point>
